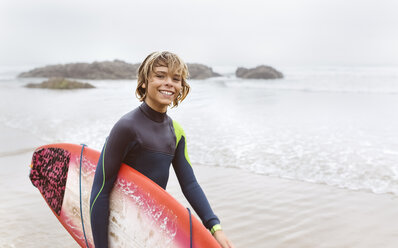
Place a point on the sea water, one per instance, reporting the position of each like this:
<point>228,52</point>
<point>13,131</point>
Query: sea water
<point>333,125</point>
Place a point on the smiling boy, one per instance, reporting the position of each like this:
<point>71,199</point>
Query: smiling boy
<point>148,140</point>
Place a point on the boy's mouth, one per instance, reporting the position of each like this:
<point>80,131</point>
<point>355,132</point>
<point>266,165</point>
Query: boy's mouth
<point>165,92</point>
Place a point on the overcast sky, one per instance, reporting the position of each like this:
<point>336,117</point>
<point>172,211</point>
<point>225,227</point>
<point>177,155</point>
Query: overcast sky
<point>227,32</point>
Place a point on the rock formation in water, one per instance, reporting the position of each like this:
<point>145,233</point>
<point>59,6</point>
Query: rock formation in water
<point>116,69</point>
<point>260,72</point>
<point>199,71</point>
<point>60,84</point>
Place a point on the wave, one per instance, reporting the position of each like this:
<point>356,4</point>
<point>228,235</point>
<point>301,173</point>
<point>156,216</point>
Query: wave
<point>308,88</point>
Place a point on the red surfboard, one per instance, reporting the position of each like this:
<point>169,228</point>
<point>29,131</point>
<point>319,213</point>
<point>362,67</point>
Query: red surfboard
<point>142,214</point>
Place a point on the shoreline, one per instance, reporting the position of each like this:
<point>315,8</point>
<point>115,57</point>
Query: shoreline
<point>17,142</point>
<point>261,211</point>
<point>255,210</point>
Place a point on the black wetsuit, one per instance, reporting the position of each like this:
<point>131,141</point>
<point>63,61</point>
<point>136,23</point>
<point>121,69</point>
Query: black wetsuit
<point>149,142</point>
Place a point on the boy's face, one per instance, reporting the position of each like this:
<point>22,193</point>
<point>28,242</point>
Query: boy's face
<point>162,88</point>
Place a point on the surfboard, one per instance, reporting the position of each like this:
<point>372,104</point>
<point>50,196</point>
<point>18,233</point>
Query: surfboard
<point>142,214</point>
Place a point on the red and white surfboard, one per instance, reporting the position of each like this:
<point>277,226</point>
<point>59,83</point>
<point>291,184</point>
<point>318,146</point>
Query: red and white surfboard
<point>142,214</point>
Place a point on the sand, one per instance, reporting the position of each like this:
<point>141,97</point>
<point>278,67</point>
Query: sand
<point>255,210</point>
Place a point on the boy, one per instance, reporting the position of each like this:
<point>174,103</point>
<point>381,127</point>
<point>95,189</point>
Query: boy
<point>148,140</point>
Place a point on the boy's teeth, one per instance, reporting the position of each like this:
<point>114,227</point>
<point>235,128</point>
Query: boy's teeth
<point>166,92</point>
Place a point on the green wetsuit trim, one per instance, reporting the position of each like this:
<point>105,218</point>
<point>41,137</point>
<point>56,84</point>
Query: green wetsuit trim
<point>179,132</point>
<point>215,228</point>
<point>103,181</point>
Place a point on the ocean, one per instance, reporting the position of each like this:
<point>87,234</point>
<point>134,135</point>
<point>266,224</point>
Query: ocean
<point>323,124</point>
<point>308,161</point>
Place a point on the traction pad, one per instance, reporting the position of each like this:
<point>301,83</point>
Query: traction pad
<point>49,173</point>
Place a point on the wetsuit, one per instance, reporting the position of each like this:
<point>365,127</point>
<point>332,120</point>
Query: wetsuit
<point>149,142</point>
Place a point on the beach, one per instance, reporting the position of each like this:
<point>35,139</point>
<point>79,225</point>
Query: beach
<point>308,161</point>
<point>256,210</point>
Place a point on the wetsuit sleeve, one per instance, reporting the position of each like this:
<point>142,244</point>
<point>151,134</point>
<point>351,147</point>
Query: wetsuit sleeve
<point>108,166</point>
<point>189,185</point>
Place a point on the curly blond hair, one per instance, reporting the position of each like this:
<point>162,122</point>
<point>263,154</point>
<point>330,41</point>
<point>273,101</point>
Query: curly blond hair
<point>175,66</point>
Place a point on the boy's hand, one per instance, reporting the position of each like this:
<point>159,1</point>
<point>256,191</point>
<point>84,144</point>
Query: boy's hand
<point>222,239</point>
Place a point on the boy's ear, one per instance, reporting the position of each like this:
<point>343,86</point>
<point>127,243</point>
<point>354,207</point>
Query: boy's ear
<point>143,85</point>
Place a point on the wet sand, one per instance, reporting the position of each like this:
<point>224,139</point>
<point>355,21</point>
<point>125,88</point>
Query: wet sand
<point>260,211</point>
<point>255,210</point>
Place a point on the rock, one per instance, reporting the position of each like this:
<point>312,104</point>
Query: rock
<point>260,72</point>
<point>116,69</point>
<point>61,84</point>
<point>200,71</point>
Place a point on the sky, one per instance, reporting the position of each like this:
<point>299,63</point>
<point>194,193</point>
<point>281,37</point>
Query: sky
<point>213,32</point>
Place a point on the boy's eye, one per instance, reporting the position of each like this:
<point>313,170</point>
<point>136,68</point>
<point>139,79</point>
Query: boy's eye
<point>177,79</point>
<point>159,76</point>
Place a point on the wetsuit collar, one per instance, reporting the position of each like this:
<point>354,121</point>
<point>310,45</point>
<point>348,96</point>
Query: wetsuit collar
<point>152,114</point>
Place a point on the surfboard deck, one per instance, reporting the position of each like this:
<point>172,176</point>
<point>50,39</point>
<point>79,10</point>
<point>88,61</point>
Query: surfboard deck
<point>142,214</point>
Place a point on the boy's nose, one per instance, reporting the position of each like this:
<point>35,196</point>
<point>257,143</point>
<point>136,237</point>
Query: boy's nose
<point>169,80</point>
